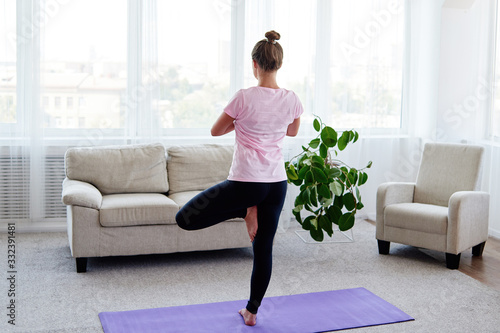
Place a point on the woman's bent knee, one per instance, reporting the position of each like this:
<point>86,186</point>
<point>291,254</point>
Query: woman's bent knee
<point>183,218</point>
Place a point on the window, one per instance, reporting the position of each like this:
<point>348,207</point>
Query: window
<point>298,42</point>
<point>78,56</point>
<point>7,62</point>
<point>194,61</point>
<point>366,66</point>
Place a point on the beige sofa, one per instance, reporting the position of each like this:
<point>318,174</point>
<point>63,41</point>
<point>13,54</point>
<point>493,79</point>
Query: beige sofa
<point>122,200</point>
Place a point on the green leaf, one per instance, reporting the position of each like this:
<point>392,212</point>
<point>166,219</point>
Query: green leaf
<point>326,225</point>
<point>292,173</point>
<point>339,202</point>
<point>324,191</point>
<point>298,201</point>
<point>317,235</point>
<point>363,177</point>
<point>306,196</point>
<point>336,188</point>
<point>359,205</point>
<point>298,208</point>
<point>319,175</point>
<point>302,171</point>
<point>313,196</point>
<point>329,136</point>
<point>298,217</point>
<point>314,143</point>
<point>334,172</point>
<point>358,195</point>
<point>323,150</point>
<point>316,125</point>
<point>349,201</point>
<point>334,214</point>
<point>352,176</point>
<point>369,165</point>
<point>314,223</point>
<point>306,225</point>
<point>344,140</point>
<point>356,137</point>
<point>327,202</point>
<point>346,222</point>
<point>309,178</point>
<point>318,161</point>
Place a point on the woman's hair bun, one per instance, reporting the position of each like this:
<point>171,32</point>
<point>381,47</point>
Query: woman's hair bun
<point>272,36</point>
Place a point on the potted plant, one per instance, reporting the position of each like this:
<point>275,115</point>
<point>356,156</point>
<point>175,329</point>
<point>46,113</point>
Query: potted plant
<point>328,187</point>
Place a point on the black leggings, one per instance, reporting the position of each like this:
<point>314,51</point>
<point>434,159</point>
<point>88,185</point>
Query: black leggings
<point>231,199</point>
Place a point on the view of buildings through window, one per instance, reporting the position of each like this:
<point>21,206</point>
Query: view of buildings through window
<point>366,66</point>
<point>84,71</point>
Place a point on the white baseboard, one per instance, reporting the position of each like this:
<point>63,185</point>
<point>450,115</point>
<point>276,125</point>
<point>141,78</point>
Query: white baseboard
<point>494,233</point>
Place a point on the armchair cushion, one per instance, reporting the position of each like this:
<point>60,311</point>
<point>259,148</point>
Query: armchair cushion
<point>82,194</point>
<point>446,169</point>
<point>132,209</point>
<point>417,217</point>
<point>391,193</point>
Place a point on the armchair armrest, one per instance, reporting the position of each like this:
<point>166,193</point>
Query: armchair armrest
<point>391,193</point>
<point>78,193</point>
<point>468,215</point>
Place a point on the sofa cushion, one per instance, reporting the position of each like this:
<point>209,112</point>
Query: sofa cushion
<point>119,210</point>
<point>431,219</point>
<point>181,198</point>
<point>195,168</point>
<point>119,169</point>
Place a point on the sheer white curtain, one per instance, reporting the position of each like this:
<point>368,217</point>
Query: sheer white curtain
<point>451,84</point>
<point>91,73</point>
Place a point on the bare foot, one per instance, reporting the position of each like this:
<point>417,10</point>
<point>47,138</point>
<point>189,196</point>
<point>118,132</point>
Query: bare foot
<point>250,318</point>
<point>252,223</point>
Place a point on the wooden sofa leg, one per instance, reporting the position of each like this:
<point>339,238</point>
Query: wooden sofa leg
<point>477,250</point>
<point>383,246</point>
<point>81,265</point>
<point>452,260</point>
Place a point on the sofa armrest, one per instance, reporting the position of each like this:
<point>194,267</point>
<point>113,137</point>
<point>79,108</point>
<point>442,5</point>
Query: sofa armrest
<point>391,193</point>
<point>468,215</point>
<point>78,193</point>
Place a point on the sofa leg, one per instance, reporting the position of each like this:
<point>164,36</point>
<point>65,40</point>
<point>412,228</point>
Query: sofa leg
<point>452,260</point>
<point>81,265</point>
<point>477,250</point>
<point>383,246</point>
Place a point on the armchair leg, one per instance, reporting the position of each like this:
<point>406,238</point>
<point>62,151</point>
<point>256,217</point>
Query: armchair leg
<point>81,265</point>
<point>452,260</point>
<point>477,250</point>
<point>383,246</point>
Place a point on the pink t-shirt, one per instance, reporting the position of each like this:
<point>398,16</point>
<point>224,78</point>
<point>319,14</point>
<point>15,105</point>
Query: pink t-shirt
<point>262,116</point>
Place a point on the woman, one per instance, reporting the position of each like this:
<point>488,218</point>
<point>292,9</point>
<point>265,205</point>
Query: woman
<point>256,186</point>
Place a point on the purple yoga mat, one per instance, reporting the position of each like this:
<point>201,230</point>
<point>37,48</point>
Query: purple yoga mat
<point>303,313</point>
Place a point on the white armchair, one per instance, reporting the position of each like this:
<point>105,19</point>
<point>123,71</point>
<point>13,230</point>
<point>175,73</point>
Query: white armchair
<point>443,210</point>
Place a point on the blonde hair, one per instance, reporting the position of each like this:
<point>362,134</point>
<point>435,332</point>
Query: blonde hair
<point>268,53</point>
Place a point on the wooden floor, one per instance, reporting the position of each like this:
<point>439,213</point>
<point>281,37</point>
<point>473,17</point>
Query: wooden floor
<point>485,269</point>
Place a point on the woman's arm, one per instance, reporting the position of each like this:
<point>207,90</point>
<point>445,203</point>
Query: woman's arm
<point>223,125</point>
<point>293,128</point>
